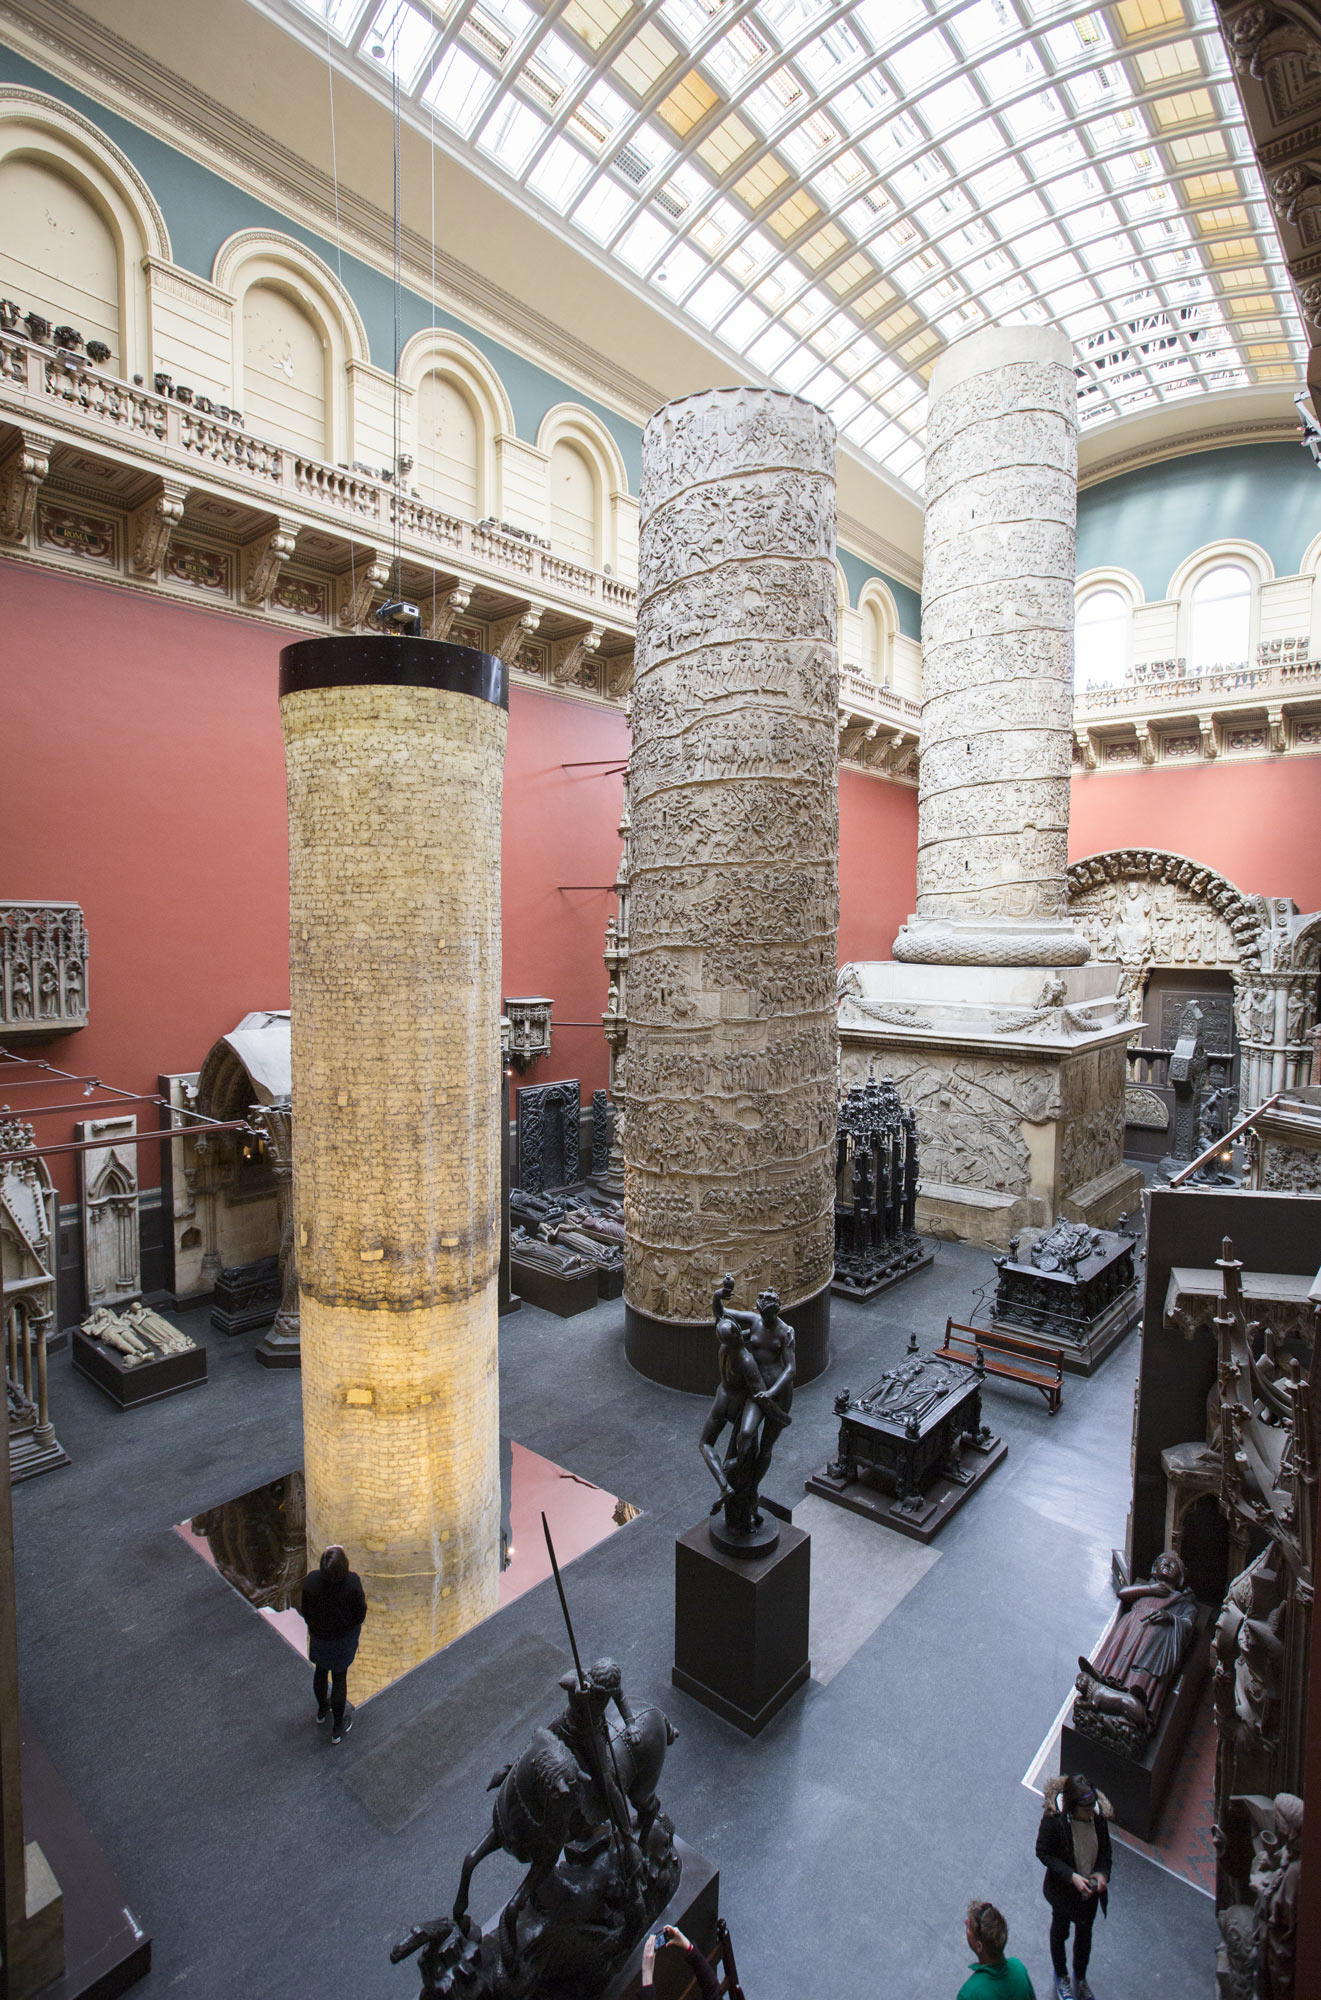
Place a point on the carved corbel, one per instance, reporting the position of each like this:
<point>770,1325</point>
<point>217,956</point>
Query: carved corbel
<point>1087,747</point>
<point>505,637</point>
<point>151,525</point>
<point>262,559</point>
<point>1146,742</point>
<point>567,655</point>
<point>902,760</point>
<point>619,673</point>
<point>440,612</point>
<point>1206,725</point>
<point>1275,729</point>
<point>853,733</point>
<point>358,588</point>
<point>22,473</point>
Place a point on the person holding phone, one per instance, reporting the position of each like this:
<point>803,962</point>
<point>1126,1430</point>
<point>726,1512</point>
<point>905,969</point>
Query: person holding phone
<point>708,1985</point>
<point>1073,1845</point>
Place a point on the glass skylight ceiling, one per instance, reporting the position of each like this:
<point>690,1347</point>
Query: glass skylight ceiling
<point>835,189</point>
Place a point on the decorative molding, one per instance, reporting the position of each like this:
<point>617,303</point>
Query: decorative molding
<point>506,635</point>
<point>16,101</point>
<point>262,559</point>
<point>359,587</point>
<point>439,614</point>
<point>569,656</point>
<point>151,525</point>
<point>22,473</point>
<point>859,539</point>
<point>1265,430</point>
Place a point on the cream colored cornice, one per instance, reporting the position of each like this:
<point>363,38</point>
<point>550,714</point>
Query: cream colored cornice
<point>860,540</point>
<point>1155,451</point>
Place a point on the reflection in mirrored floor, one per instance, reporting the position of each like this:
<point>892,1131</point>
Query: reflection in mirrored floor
<point>257,1541</point>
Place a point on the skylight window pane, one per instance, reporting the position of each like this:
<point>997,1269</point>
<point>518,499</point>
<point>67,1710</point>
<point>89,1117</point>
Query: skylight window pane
<point>774,343</point>
<point>399,41</point>
<point>607,105</point>
<point>559,173</point>
<point>795,368</point>
<point>711,299</point>
<point>512,134</point>
<point>640,246</point>
<point>981,26</point>
<point>743,325</point>
<point>338,15</point>
<point>458,89</point>
<point>602,209</point>
<point>1032,113</point>
<point>966,149</point>
<point>554,53</point>
<point>917,63</point>
<point>679,271</point>
<point>826,384</point>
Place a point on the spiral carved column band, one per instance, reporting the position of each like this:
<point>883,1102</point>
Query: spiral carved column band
<point>733,877</point>
<point>997,654</point>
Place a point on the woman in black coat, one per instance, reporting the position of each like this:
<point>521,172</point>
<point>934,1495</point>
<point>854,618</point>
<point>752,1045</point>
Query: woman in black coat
<point>334,1606</point>
<point>1073,1845</point>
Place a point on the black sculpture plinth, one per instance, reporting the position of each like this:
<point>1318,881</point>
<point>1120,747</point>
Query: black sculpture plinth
<point>562,1296</point>
<point>1084,1305</point>
<point>912,1448</point>
<point>1136,1787</point>
<point>740,1625</point>
<point>274,1352</point>
<point>692,1909</point>
<point>247,1296</point>
<point>147,1381</point>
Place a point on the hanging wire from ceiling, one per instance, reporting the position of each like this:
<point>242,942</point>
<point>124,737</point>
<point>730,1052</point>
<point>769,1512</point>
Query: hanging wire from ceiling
<point>398,248</point>
<point>339,253</point>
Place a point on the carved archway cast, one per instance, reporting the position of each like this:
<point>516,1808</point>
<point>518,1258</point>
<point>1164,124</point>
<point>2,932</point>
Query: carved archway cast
<point>1141,907</point>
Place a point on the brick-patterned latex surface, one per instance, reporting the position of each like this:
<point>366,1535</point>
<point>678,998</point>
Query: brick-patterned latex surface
<point>394,838</point>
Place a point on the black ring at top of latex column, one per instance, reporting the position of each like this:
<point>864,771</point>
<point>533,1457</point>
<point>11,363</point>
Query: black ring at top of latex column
<point>380,659</point>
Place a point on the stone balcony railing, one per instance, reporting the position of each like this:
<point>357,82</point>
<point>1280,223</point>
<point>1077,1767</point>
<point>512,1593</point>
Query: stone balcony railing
<point>59,394</point>
<point>1239,685</point>
<point>1161,713</point>
<point>878,728</point>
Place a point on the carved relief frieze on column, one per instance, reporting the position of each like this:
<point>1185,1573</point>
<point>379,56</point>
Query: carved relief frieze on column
<point>262,559</point>
<point>998,573</point>
<point>732,890</point>
<point>152,523</point>
<point>23,470</point>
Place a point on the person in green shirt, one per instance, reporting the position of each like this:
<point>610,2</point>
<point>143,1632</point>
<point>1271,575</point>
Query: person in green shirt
<point>993,1976</point>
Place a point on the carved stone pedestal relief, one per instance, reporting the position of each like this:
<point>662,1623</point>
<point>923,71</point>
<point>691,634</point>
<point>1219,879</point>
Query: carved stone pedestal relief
<point>733,868</point>
<point>1007,1044</point>
<point>108,1198</point>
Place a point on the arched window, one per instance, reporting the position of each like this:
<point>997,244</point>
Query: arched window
<point>284,371</point>
<point>1101,639</point>
<point>1220,618</point>
<point>575,507</point>
<point>449,446</point>
<point>58,255</point>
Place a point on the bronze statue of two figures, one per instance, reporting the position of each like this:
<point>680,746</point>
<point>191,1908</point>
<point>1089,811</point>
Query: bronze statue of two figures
<point>757,1369</point>
<point>579,1809</point>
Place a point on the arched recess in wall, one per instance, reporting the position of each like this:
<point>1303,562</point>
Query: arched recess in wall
<point>880,629</point>
<point>296,329</point>
<point>79,222</point>
<point>460,410</point>
<point>1104,601</point>
<point>585,478</point>
<point>1218,592</point>
<point>1310,567</point>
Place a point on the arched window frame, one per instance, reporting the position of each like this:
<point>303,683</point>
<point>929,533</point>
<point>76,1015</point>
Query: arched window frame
<point>880,614</point>
<point>435,351</point>
<point>1310,566</point>
<point>568,423</point>
<point>1091,583</point>
<point>1249,556</point>
<point>264,257</point>
<point>37,127</point>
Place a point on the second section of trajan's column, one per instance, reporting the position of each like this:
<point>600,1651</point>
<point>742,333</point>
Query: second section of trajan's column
<point>395,755</point>
<point>998,571</point>
<point>733,884</point>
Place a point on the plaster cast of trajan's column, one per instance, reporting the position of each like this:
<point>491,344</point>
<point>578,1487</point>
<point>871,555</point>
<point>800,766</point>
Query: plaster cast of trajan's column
<point>997,655</point>
<point>733,859</point>
<point>395,774</point>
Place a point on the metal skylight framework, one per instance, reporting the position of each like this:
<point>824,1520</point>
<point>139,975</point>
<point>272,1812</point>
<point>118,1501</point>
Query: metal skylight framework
<point>835,189</point>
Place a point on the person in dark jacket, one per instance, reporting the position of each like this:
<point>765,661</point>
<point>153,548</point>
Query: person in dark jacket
<point>1073,1845</point>
<point>708,1983</point>
<point>334,1605</point>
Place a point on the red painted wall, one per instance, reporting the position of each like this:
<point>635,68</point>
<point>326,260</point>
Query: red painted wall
<point>1257,823</point>
<point>877,863</point>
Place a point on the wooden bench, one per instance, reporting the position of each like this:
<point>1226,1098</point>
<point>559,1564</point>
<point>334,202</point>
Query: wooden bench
<point>1005,1354</point>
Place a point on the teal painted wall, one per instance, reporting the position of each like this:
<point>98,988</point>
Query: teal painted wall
<point>908,602</point>
<point>202,210</point>
<point>1151,520</point>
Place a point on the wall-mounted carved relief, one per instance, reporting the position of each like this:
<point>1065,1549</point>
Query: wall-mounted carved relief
<point>108,1200</point>
<point>43,968</point>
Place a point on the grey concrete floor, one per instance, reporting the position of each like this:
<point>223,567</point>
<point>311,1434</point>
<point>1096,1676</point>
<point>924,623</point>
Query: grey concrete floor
<point>849,1836</point>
